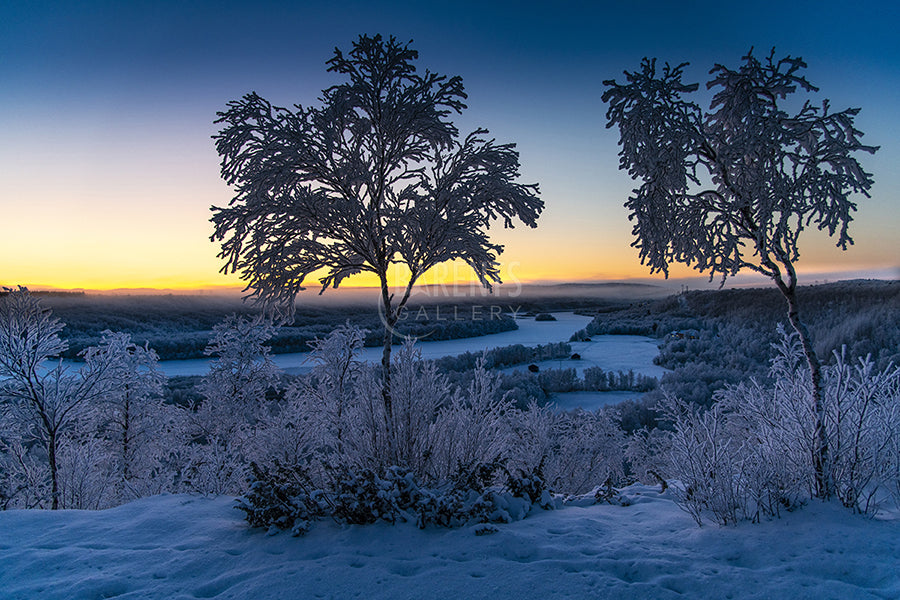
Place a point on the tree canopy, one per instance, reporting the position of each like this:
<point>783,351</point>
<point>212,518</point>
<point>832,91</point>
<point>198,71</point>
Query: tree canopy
<point>376,175</point>
<point>732,188</point>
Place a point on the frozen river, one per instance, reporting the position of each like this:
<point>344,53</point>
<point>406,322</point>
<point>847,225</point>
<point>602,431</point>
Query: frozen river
<point>609,352</point>
<point>529,333</point>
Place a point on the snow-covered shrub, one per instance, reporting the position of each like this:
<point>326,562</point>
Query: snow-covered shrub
<point>242,370</point>
<point>336,415</point>
<point>588,451</point>
<point>130,421</point>
<point>362,497</point>
<point>704,458</point>
<point>472,428</point>
<point>863,406</point>
<point>87,479</point>
<point>418,394</point>
<point>752,453</point>
<point>532,438</point>
<point>889,468</point>
<point>340,415</point>
<point>774,428</point>
<point>575,452</point>
<point>218,434</point>
<point>646,454</point>
<point>429,462</point>
<point>24,479</point>
<point>55,412</point>
<point>329,393</point>
<point>860,423</point>
<point>281,497</point>
<point>289,434</point>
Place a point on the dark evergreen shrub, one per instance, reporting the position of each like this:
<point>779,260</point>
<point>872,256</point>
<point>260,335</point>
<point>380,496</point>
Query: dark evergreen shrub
<point>283,498</point>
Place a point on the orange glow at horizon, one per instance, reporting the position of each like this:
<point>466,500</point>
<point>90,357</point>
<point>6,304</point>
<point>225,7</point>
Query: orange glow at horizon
<point>62,276</point>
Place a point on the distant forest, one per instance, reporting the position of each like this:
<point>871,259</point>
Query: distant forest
<point>180,327</point>
<point>710,339</point>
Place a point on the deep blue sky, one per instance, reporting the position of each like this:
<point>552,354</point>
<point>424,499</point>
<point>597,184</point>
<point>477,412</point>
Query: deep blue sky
<point>107,109</point>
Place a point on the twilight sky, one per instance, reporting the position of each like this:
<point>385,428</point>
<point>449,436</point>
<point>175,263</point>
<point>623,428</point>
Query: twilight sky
<point>107,169</point>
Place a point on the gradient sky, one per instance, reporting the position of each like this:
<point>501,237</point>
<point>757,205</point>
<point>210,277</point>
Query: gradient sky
<point>107,169</point>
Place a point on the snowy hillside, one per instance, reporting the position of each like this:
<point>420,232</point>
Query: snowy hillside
<point>182,547</point>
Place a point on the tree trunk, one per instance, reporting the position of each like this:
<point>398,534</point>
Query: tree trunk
<point>126,419</point>
<point>54,471</point>
<point>389,322</point>
<point>820,459</point>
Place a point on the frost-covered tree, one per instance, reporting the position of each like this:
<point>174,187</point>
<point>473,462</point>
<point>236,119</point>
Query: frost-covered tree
<point>44,402</point>
<point>374,177</point>
<point>242,369</point>
<point>130,417</point>
<point>220,428</point>
<point>732,188</point>
<point>331,387</point>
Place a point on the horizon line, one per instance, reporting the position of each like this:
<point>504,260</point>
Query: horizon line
<point>701,280</point>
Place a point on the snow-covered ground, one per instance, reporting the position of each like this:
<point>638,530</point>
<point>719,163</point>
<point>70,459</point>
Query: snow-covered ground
<point>185,547</point>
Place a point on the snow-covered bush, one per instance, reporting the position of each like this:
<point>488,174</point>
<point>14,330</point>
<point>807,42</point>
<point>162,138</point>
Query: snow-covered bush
<point>24,479</point>
<point>588,451</point>
<point>419,393</point>
<point>86,475</point>
<point>130,422</point>
<point>472,427</point>
<point>242,370</point>
<point>753,452</point>
<point>863,414</point>
<point>280,497</point>
<point>217,436</point>
<point>705,458</point>
<point>445,457</point>
<point>51,413</point>
<point>336,415</point>
<point>645,455</point>
<point>575,452</point>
